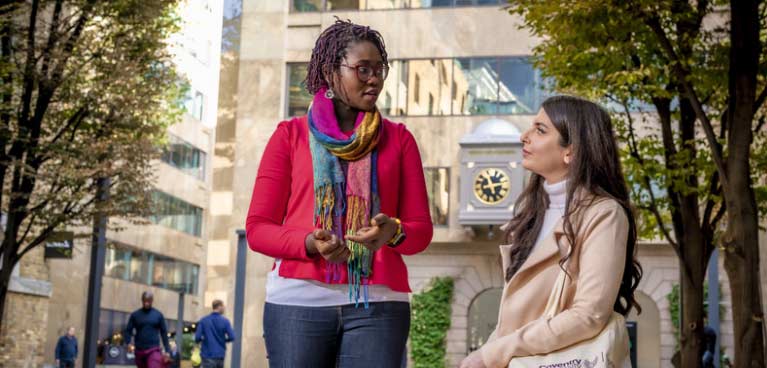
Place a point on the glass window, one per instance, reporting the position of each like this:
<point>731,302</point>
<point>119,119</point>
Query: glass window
<point>176,214</point>
<point>393,98</point>
<point>185,157</point>
<point>483,316</point>
<point>307,5</point>
<point>345,5</point>
<point>193,276</point>
<point>386,4</point>
<point>476,2</point>
<point>112,324</point>
<point>117,262</point>
<point>430,3</point>
<point>475,81</point>
<point>298,98</point>
<point>174,275</point>
<point>123,262</point>
<point>440,87</point>
<point>140,266</point>
<point>438,190</point>
<point>193,103</point>
<point>521,89</point>
<point>430,87</point>
<point>417,89</point>
<point>160,271</point>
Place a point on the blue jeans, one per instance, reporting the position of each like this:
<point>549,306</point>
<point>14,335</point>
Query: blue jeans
<point>342,336</point>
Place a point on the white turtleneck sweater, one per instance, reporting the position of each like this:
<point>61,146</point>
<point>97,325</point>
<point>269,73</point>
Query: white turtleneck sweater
<point>557,199</point>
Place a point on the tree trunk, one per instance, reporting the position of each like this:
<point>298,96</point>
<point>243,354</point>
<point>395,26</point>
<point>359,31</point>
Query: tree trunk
<point>694,248</point>
<point>742,264</point>
<point>6,271</point>
<point>692,276</point>
<point>742,234</point>
<point>691,321</point>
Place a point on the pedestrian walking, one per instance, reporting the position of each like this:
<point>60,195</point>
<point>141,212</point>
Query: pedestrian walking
<point>213,332</point>
<point>66,350</point>
<point>148,326</point>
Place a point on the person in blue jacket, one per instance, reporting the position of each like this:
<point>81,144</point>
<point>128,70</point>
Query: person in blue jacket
<point>214,331</point>
<point>66,350</point>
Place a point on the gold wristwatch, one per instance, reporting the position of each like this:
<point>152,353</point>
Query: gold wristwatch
<point>398,237</point>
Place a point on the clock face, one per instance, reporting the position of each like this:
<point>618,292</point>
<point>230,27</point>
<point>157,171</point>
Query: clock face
<point>491,186</point>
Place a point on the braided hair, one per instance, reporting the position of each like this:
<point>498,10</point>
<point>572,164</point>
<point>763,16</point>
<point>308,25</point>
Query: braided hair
<point>331,47</point>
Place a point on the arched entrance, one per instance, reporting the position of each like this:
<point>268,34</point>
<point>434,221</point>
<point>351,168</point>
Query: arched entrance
<point>483,316</point>
<point>648,331</point>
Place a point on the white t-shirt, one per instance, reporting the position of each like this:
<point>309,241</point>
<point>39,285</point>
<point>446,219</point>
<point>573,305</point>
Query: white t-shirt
<point>311,293</point>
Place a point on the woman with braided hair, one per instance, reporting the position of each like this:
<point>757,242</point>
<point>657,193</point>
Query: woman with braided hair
<point>339,198</point>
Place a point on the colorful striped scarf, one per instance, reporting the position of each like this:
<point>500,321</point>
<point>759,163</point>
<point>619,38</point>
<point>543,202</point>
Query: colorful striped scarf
<point>354,195</point>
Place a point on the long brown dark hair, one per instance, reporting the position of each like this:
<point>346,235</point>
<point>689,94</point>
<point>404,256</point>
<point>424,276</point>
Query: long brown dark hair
<point>594,169</point>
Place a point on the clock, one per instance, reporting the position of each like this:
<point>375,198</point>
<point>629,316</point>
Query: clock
<point>491,185</point>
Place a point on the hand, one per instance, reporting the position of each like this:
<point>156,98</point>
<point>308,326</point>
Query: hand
<point>474,360</point>
<point>381,230</point>
<point>327,245</point>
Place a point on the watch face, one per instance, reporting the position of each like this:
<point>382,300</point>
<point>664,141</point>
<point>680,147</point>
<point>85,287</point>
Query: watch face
<point>491,186</point>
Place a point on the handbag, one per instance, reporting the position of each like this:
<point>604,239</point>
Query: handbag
<point>196,358</point>
<point>608,349</point>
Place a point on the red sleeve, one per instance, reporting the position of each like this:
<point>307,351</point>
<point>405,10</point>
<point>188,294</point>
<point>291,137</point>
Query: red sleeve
<point>264,226</point>
<point>413,200</point>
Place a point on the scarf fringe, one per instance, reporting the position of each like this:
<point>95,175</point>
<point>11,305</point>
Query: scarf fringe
<point>325,209</point>
<point>359,264</point>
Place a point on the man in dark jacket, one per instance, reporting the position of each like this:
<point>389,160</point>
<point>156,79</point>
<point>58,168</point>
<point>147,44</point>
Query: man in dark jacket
<point>214,331</point>
<point>66,349</point>
<point>149,326</point>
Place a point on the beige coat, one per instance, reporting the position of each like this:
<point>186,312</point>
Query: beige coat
<point>596,268</point>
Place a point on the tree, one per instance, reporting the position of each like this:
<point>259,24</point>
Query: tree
<point>671,59</point>
<point>87,92</point>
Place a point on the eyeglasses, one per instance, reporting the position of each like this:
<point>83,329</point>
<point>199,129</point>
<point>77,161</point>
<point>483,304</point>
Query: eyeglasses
<point>365,72</point>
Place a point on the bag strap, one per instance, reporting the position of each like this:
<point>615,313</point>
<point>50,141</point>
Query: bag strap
<point>555,298</point>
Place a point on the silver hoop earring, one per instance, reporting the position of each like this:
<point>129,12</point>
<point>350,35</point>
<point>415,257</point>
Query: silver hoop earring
<point>329,94</point>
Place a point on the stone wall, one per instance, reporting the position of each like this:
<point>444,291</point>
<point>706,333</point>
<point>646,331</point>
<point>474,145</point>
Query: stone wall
<point>23,335</point>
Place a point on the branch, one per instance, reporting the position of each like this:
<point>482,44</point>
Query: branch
<point>9,6</point>
<point>51,84</point>
<point>760,99</point>
<point>29,69</point>
<point>34,210</point>
<point>714,189</point>
<point>701,13</point>
<point>75,120</point>
<point>653,206</point>
<point>42,236</point>
<point>52,38</point>
<point>69,45</point>
<point>61,219</point>
<point>719,215</point>
<point>716,150</point>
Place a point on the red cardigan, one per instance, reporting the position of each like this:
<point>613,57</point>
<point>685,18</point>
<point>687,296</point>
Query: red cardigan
<point>282,207</point>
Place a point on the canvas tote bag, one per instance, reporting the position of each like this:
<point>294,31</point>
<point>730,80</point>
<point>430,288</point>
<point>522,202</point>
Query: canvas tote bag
<point>608,349</point>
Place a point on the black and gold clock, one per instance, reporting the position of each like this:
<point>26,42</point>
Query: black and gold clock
<point>491,185</point>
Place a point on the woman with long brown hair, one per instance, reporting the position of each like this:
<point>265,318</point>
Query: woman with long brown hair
<point>574,215</point>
